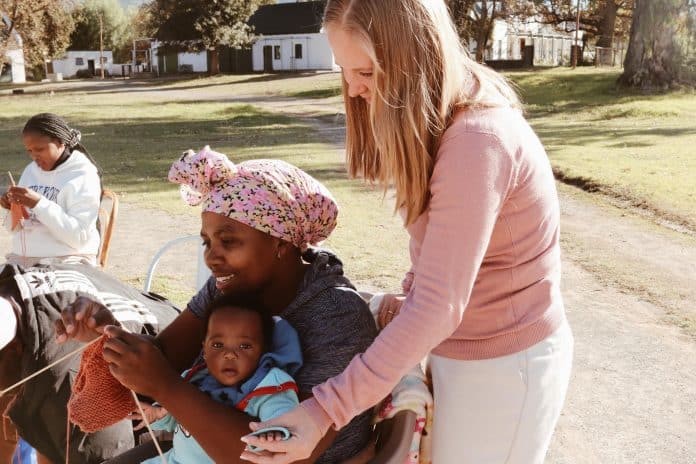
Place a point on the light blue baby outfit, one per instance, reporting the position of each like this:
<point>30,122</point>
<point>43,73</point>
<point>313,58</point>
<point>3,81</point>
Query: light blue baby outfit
<point>268,393</point>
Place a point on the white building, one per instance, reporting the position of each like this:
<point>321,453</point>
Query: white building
<point>169,62</point>
<point>290,38</point>
<point>292,52</point>
<point>13,61</point>
<point>74,61</point>
<point>551,46</point>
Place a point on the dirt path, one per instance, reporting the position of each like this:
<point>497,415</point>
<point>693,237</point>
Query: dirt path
<point>632,397</point>
<point>629,289</point>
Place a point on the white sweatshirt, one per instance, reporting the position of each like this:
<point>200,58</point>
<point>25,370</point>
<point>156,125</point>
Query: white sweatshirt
<point>64,221</point>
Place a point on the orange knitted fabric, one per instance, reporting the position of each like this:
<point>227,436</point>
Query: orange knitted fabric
<point>18,213</point>
<point>98,400</point>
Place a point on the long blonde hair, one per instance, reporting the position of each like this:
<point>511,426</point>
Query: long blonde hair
<point>422,76</point>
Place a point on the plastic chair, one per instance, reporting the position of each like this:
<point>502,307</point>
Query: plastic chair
<point>108,210</point>
<point>202,271</point>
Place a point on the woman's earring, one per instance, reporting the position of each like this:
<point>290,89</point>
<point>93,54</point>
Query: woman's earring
<point>278,255</point>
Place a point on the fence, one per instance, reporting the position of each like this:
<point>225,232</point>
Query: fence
<point>610,56</point>
<point>550,50</point>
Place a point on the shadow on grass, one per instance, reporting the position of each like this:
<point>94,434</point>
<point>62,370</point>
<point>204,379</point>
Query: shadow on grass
<point>136,155</point>
<point>558,135</point>
<point>162,84</point>
<point>317,93</point>
<point>554,91</point>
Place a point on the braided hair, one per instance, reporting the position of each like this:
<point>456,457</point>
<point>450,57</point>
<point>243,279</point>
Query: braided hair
<point>54,126</point>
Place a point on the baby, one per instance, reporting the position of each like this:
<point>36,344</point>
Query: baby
<point>246,359</point>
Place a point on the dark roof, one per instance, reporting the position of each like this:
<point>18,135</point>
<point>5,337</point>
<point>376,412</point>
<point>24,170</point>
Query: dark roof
<point>288,18</point>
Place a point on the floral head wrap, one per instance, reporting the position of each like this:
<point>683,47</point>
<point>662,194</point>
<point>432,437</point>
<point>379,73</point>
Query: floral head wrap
<point>271,196</point>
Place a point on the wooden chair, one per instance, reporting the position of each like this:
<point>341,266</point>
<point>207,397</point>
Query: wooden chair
<point>108,210</point>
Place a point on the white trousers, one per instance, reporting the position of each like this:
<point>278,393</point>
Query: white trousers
<point>501,410</point>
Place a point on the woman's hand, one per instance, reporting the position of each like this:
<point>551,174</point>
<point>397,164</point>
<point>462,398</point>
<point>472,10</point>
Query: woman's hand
<point>23,196</point>
<point>83,321</point>
<point>137,363</point>
<point>152,413</point>
<point>305,435</point>
<point>389,308</point>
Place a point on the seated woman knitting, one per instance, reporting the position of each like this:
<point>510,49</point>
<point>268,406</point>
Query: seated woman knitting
<point>57,196</point>
<point>259,220</point>
<point>247,362</point>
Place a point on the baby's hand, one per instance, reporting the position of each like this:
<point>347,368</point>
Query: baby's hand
<point>152,413</point>
<point>268,435</point>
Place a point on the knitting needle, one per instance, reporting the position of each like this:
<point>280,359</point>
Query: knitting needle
<point>73,353</point>
<point>149,430</point>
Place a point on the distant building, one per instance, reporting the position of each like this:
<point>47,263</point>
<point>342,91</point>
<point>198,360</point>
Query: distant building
<point>290,38</point>
<point>530,41</point>
<point>13,59</point>
<point>75,61</point>
<point>170,61</point>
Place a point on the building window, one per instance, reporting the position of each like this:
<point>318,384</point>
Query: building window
<point>276,52</point>
<point>79,61</point>
<point>298,51</point>
<point>104,60</point>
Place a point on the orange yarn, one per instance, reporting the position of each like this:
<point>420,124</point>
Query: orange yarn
<point>98,400</point>
<point>18,213</point>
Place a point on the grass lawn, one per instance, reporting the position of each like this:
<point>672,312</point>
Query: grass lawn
<point>638,147</point>
<point>135,138</point>
<point>627,144</point>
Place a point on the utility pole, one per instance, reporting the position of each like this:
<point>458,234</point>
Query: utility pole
<point>577,29</point>
<point>101,45</point>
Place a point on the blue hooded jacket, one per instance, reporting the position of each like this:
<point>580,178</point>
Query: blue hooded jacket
<point>274,370</point>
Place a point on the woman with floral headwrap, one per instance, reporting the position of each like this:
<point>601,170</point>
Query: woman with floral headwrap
<point>60,192</point>
<point>260,219</point>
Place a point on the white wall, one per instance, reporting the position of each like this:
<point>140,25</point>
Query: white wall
<point>316,53</point>
<point>68,64</point>
<point>16,59</point>
<point>199,61</point>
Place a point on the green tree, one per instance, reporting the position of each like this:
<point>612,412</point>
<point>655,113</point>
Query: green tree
<point>44,26</point>
<point>114,27</point>
<point>660,51</point>
<point>197,25</point>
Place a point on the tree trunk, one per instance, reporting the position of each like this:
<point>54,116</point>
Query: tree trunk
<point>481,35</point>
<point>654,57</point>
<point>215,61</point>
<point>607,24</point>
<point>5,41</point>
<point>484,26</point>
<point>488,26</point>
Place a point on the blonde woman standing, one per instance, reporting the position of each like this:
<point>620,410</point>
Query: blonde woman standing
<point>482,298</point>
